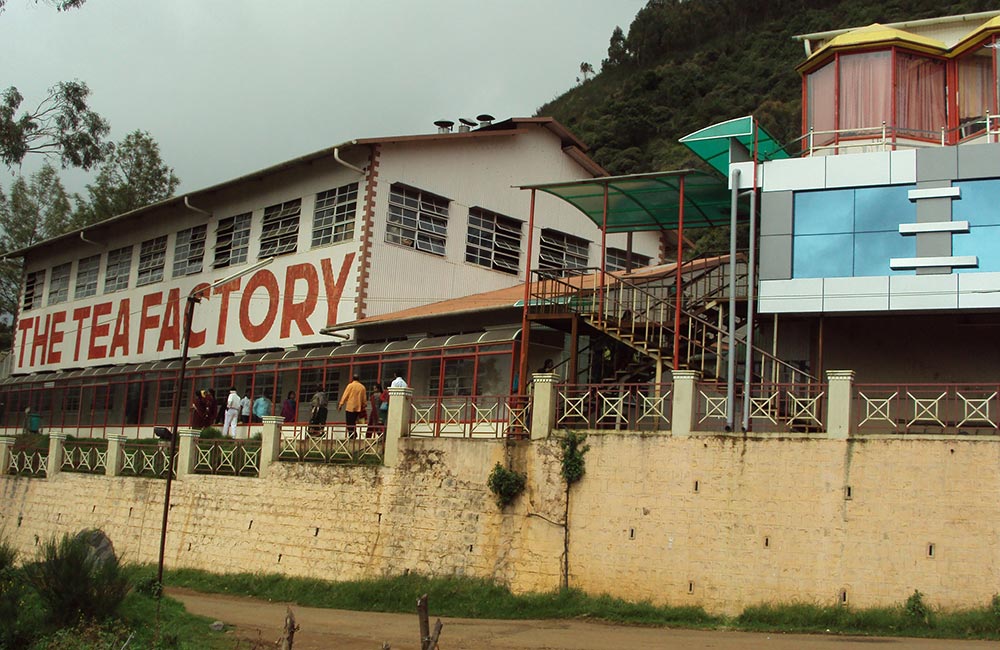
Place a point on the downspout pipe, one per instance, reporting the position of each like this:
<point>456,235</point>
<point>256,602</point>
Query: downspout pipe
<point>751,281</point>
<point>87,241</point>
<point>336,156</point>
<point>187,204</point>
<point>731,332</point>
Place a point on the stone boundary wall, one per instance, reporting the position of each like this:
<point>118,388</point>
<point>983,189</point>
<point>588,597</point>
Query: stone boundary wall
<point>720,521</point>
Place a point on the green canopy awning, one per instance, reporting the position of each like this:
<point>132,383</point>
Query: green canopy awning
<point>640,202</point>
<point>711,144</point>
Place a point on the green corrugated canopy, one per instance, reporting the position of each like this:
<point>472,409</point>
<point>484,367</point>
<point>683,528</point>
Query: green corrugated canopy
<point>711,144</point>
<point>640,202</point>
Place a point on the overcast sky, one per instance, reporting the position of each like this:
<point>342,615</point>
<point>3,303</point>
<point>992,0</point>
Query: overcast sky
<point>231,86</point>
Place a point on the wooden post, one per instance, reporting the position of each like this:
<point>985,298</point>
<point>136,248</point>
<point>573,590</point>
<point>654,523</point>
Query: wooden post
<point>425,626</point>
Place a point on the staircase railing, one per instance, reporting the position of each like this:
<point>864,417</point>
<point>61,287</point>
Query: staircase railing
<point>640,316</point>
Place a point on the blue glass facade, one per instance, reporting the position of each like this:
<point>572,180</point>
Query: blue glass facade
<point>851,232</point>
<point>980,206</point>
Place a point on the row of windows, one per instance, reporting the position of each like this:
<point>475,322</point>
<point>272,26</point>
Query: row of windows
<point>333,221</point>
<point>418,219</point>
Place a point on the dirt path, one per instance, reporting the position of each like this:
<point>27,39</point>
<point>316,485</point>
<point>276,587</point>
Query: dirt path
<point>326,629</point>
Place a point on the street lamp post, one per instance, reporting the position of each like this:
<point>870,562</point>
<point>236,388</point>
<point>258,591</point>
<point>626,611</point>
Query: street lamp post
<point>193,298</point>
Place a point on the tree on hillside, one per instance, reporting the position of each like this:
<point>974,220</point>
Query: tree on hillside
<point>132,177</point>
<point>617,52</point>
<point>60,5</point>
<point>38,208</point>
<point>60,125</point>
<point>586,70</point>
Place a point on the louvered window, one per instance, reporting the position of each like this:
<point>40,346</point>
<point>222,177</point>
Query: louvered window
<point>494,241</point>
<point>557,250</point>
<point>119,268</point>
<point>333,219</point>
<point>34,287</point>
<point>417,219</point>
<point>152,257</point>
<point>59,285</point>
<point>189,251</point>
<point>280,234</point>
<point>232,239</point>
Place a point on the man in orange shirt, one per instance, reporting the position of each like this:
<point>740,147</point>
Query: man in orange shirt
<point>352,402</point>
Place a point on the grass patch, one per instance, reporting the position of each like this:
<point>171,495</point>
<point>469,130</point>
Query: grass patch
<point>458,597</point>
<point>476,598</point>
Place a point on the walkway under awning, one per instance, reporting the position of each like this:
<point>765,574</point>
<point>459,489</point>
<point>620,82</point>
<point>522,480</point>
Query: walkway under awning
<point>641,202</point>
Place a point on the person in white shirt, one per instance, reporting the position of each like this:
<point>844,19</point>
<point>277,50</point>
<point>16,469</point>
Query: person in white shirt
<point>232,414</point>
<point>245,408</point>
<point>398,382</point>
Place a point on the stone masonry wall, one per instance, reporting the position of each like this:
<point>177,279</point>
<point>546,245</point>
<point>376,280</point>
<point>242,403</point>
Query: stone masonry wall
<point>769,520</point>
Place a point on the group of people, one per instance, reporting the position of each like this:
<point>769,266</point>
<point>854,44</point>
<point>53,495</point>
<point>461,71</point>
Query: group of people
<point>358,404</point>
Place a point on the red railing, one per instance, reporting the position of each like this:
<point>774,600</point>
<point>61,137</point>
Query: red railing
<point>773,407</point>
<point>617,407</point>
<point>472,416</point>
<point>927,408</point>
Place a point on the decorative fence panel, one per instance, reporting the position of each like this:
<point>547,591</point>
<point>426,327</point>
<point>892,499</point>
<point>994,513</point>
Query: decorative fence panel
<point>965,409</point>
<point>148,459</point>
<point>28,459</point>
<point>228,457</point>
<point>617,407</point>
<point>86,457</point>
<point>330,444</point>
<point>478,416</point>
<point>773,407</point>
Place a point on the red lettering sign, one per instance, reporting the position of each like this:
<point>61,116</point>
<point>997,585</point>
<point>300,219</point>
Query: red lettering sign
<point>265,279</point>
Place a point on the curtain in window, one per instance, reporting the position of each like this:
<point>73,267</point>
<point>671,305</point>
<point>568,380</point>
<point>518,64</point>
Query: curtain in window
<point>820,88</point>
<point>920,95</point>
<point>865,90</point>
<point>975,76</point>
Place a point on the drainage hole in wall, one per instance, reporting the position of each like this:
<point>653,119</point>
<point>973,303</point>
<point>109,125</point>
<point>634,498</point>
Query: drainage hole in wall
<point>767,542</point>
<point>696,486</point>
<point>316,534</point>
<point>189,546</point>
<point>470,548</point>
<point>279,558</point>
<point>843,596</point>
<point>37,540</point>
<point>19,518</point>
<point>848,492</point>
<point>930,550</point>
<point>58,516</point>
<point>691,587</point>
<point>631,533</point>
<point>379,517</point>
<point>130,512</point>
<point>251,525</point>
<point>94,509</point>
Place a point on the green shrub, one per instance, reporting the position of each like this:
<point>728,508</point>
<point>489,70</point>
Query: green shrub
<point>573,450</point>
<point>917,609</point>
<point>211,433</point>
<point>505,484</point>
<point>87,636</point>
<point>12,591</point>
<point>74,583</point>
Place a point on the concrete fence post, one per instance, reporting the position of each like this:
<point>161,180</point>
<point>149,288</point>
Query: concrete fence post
<point>398,423</point>
<point>685,401</point>
<point>113,461</point>
<point>839,406</point>
<point>270,442</point>
<point>543,404</point>
<point>187,452</point>
<point>6,445</point>
<point>57,443</point>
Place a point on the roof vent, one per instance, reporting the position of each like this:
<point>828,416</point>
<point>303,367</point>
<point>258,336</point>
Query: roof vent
<point>466,125</point>
<point>485,119</point>
<point>444,126</point>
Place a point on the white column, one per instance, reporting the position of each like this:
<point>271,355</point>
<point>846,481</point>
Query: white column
<point>270,442</point>
<point>543,405</point>
<point>113,462</point>
<point>187,452</point>
<point>6,445</point>
<point>840,403</point>
<point>56,443</point>
<point>685,401</point>
<point>398,423</point>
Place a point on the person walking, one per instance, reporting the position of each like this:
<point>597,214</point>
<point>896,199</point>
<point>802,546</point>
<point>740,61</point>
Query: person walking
<point>352,402</point>
<point>200,416</point>
<point>232,414</point>
<point>375,415</point>
<point>317,415</point>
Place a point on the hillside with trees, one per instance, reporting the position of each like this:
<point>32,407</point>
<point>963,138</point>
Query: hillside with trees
<point>686,64</point>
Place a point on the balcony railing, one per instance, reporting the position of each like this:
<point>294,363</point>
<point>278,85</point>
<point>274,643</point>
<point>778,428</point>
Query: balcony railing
<point>330,443</point>
<point>960,409</point>
<point>473,416</point>
<point>615,407</point>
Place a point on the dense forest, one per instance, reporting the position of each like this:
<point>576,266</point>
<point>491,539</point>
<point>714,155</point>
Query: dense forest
<point>686,64</point>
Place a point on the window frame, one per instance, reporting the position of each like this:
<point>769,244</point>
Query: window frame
<point>417,219</point>
<point>34,290</point>
<point>118,259</point>
<point>189,251</point>
<point>334,215</point>
<point>90,288</point>
<point>152,261</point>
<point>58,295</point>
<point>234,234</point>
<point>620,256</point>
<point>494,247</point>
<point>559,242</point>
<point>279,233</point>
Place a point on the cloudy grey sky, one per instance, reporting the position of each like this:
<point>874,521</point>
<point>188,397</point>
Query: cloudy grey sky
<point>230,86</point>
